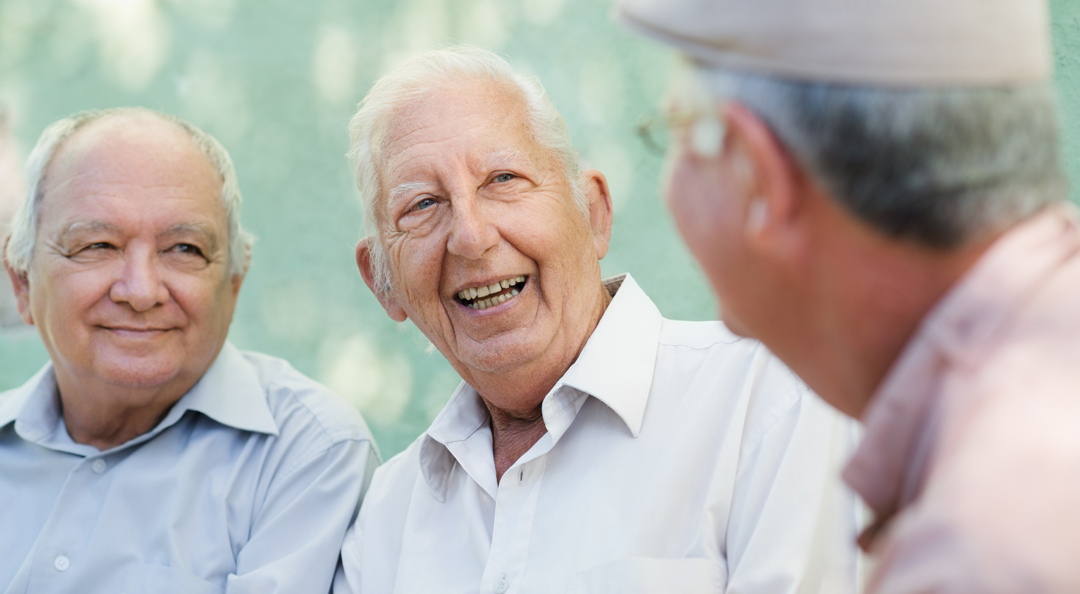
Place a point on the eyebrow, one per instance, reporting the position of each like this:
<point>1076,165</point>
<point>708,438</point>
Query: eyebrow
<point>504,156</point>
<point>203,231</point>
<point>494,159</point>
<point>87,227</point>
<point>178,230</point>
<point>405,188</point>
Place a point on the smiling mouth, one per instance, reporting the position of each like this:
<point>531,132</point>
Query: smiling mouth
<point>135,331</point>
<point>483,297</point>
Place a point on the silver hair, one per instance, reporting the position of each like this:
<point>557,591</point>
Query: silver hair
<point>20,247</point>
<point>421,75</point>
<point>939,167</point>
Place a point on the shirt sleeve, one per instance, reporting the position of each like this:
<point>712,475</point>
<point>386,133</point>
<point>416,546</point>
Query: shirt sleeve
<point>349,564</point>
<point>297,534</point>
<point>793,521</point>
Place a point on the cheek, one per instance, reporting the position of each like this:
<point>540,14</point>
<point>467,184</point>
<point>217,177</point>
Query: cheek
<point>693,196</point>
<point>68,295</point>
<point>202,300</point>
<point>416,268</point>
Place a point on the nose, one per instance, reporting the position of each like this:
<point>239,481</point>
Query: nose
<point>140,284</point>
<point>472,233</point>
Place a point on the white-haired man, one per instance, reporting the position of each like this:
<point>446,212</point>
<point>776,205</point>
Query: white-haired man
<point>150,455</point>
<point>593,446</point>
<point>886,211</point>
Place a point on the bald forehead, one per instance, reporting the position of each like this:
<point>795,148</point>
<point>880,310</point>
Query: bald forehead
<point>136,143</point>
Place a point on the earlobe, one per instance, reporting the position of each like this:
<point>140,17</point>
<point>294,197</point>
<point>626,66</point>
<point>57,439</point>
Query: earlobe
<point>21,284</point>
<point>237,280</point>
<point>757,216</point>
<point>597,193</point>
<point>389,303</point>
<point>766,175</point>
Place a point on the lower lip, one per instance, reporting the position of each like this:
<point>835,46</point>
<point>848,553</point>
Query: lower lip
<point>494,308</point>
<point>136,333</point>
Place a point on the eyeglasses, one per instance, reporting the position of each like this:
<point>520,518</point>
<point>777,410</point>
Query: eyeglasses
<point>655,130</point>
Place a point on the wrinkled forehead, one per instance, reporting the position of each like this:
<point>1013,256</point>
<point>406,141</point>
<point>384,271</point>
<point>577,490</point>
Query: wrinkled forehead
<point>133,150</point>
<point>479,117</point>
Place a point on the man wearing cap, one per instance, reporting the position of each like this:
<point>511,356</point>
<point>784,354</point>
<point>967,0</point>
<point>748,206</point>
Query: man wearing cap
<point>151,455</point>
<point>592,446</point>
<point>874,191</point>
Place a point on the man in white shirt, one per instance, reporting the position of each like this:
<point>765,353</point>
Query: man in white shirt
<point>151,455</point>
<point>593,446</point>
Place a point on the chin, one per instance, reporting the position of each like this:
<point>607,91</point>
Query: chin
<point>139,373</point>
<point>502,357</point>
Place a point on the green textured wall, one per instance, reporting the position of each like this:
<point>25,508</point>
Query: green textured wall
<point>277,81</point>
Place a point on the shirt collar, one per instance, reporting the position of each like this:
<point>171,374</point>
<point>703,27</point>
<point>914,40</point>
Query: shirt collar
<point>888,468</point>
<point>34,407</point>
<point>615,366</point>
<point>229,392</point>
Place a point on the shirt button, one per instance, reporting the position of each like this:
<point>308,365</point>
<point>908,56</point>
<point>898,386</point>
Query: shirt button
<point>98,466</point>
<point>61,563</point>
<point>501,586</point>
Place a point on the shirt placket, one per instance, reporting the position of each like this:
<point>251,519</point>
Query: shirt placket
<point>60,554</point>
<point>515,514</point>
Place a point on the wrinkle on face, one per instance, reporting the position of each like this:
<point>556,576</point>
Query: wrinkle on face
<point>129,282</point>
<point>474,200</point>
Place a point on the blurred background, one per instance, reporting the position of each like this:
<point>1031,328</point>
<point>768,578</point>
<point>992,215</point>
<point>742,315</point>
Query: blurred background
<point>277,81</point>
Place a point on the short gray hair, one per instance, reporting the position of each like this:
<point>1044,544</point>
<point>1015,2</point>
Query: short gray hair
<point>20,247</point>
<point>420,75</point>
<point>940,167</point>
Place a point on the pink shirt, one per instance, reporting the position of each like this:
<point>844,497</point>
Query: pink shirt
<point>972,448</point>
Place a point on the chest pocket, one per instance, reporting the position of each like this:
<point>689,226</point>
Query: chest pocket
<point>641,575</point>
<point>158,579</point>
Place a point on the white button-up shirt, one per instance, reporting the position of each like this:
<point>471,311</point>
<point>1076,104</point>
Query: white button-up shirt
<point>678,458</point>
<point>247,485</point>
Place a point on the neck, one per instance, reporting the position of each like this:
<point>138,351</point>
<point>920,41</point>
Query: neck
<point>108,416</point>
<point>869,296</point>
<point>513,435</point>
<point>514,397</point>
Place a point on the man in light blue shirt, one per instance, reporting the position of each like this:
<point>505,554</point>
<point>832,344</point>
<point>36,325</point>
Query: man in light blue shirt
<point>150,455</point>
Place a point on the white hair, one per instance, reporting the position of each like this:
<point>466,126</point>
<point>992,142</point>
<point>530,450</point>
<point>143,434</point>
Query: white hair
<point>419,76</point>
<point>938,166</point>
<point>20,247</point>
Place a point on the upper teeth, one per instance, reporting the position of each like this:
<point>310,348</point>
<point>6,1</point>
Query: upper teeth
<point>475,292</point>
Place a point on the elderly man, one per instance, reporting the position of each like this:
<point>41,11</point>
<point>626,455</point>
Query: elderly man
<point>150,455</point>
<point>593,446</point>
<point>886,211</point>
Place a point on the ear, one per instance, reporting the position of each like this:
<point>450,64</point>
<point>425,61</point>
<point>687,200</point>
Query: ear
<point>769,179</point>
<point>237,280</point>
<point>600,212</point>
<point>389,303</point>
<point>21,283</point>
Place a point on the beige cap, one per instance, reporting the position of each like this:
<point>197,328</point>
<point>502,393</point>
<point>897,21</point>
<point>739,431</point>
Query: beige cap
<point>921,43</point>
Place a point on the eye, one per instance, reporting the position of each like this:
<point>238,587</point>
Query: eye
<point>423,204</point>
<point>186,248</point>
<point>100,245</point>
<point>503,177</point>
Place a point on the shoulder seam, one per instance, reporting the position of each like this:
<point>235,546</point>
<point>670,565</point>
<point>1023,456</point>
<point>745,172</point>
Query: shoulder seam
<point>799,394</point>
<point>334,436</point>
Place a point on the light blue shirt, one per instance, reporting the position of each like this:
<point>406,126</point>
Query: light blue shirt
<point>246,485</point>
